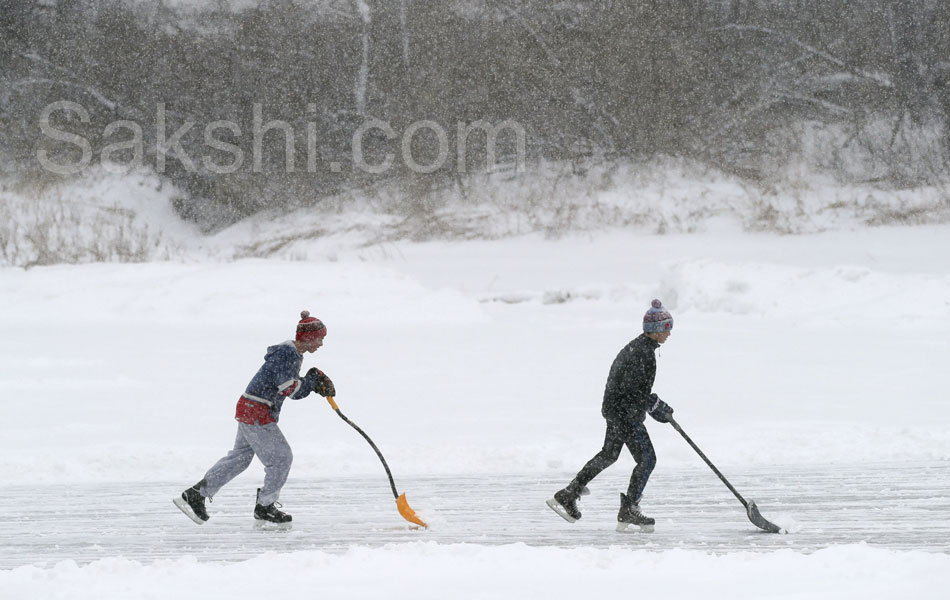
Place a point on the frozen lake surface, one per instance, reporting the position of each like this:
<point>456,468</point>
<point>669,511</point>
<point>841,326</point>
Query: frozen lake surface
<point>894,506</point>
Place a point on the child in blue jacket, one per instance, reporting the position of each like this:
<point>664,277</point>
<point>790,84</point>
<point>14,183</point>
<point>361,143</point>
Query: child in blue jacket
<point>257,413</point>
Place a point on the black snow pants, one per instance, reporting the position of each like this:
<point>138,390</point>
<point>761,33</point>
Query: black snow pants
<point>636,438</point>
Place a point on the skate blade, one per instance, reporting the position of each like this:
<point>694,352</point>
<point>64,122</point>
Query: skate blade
<point>183,507</point>
<point>630,528</point>
<point>553,505</point>
<point>262,525</point>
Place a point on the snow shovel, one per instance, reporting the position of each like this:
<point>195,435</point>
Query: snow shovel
<point>750,508</point>
<point>401,503</point>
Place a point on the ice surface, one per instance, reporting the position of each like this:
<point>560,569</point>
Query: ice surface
<point>847,522</point>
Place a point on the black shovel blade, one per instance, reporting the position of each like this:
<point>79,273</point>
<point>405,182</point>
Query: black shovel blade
<point>759,521</point>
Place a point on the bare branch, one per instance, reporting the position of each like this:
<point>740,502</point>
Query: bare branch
<point>111,105</point>
<point>881,79</point>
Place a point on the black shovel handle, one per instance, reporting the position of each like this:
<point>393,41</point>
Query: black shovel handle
<point>722,477</point>
<point>389,474</point>
<point>751,510</point>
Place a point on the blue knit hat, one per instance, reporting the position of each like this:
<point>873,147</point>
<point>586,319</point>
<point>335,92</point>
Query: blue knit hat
<point>657,319</point>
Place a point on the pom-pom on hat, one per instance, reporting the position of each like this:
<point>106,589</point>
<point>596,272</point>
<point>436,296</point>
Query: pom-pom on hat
<point>310,328</point>
<point>657,319</point>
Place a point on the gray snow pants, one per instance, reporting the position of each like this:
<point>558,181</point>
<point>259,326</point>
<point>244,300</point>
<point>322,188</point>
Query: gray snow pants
<point>270,445</point>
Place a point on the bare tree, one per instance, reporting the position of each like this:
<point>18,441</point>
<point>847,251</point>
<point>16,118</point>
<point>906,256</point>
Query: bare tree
<point>366,18</point>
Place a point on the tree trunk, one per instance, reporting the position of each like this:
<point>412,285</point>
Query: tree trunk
<point>362,76</point>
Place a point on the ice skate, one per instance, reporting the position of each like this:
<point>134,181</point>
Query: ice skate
<point>270,517</point>
<point>630,515</point>
<point>564,502</point>
<point>192,503</point>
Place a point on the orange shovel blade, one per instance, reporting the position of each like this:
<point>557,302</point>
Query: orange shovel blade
<point>407,513</point>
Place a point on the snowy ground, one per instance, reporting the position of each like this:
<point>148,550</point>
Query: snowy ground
<point>810,368</point>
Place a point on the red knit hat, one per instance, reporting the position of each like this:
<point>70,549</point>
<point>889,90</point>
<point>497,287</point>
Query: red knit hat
<point>310,328</point>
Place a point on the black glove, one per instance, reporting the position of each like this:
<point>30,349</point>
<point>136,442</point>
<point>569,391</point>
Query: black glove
<point>322,384</point>
<point>661,411</point>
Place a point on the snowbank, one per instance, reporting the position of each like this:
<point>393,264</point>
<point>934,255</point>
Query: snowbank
<point>423,571</point>
<point>101,218</point>
<point>110,217</point>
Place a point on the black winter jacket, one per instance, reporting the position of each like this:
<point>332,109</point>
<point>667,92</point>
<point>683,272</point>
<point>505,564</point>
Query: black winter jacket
<point>630,382</point>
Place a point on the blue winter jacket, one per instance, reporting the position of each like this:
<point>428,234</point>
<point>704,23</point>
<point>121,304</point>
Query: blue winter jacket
<point>279,378</point>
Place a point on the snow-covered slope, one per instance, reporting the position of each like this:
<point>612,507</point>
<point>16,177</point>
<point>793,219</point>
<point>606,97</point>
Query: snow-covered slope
<point>107,217</point>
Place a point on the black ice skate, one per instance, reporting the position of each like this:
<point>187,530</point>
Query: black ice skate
<point>270,516</point>
<point>630,515</point>
<point>564,502</point>
<point>192,503</point>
